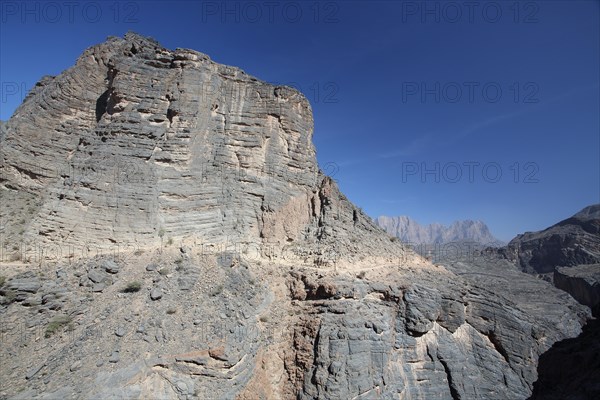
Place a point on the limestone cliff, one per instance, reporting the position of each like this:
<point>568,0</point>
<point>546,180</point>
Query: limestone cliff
<point>136,143</point>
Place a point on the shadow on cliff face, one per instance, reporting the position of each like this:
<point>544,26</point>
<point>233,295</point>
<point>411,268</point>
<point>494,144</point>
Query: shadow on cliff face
<point>570,370</point>
<point>101,104</point>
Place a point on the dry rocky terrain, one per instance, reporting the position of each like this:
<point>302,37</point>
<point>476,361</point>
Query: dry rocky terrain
<point>166,233</point>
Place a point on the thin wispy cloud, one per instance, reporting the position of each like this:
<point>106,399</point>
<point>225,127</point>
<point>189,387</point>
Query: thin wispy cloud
<point>414,147</point>
<point>478,126</point>
<point>424,141</point>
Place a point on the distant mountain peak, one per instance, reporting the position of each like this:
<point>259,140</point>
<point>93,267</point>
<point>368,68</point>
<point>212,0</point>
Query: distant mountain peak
<point>410,231</point>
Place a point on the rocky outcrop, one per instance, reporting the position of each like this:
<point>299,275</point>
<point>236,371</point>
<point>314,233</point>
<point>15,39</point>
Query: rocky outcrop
<point>135,139</point>
<point>410,231</point>
<point>573,241</point>
<point>167,234</point>
<point>224,327</point>
<point>66,339</point>
<point>567,254</point>
<point>422,334</point>
<point>582,282</point>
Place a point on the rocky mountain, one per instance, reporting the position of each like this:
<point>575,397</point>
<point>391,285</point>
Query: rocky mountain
<point>166,233</point>
<point>410,231</point>
<point>573,241</point>
<point>566,253</point>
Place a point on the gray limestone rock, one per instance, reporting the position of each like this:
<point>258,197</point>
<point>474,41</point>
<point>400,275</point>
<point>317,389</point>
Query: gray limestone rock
<point>27,282</point>
<point>120,331</point>
<point>187,148</point>
<point>151,267</point>
<point>156,294</point>
<point>423,307</point>
<point>114,357</point>
<point>75,366</point>
<point>98,287</point>
<point>386,344</point>
<point>34,371</point>
<point>111,267</point>
<point>97,276</point>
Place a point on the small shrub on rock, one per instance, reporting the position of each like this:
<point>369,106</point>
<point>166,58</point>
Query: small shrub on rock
<point>132,287</point>
<point>56,323</point>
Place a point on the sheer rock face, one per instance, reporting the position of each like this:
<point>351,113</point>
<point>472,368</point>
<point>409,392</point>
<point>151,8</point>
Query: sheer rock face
<point>136,145</point>
<point>136,138</point>
<point>567,253</point>
<point>582,282</point>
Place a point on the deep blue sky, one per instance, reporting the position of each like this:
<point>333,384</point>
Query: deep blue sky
<point>372,71</point>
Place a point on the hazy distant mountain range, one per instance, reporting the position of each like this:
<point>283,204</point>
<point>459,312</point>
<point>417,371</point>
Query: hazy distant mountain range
<point>410,231</point>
